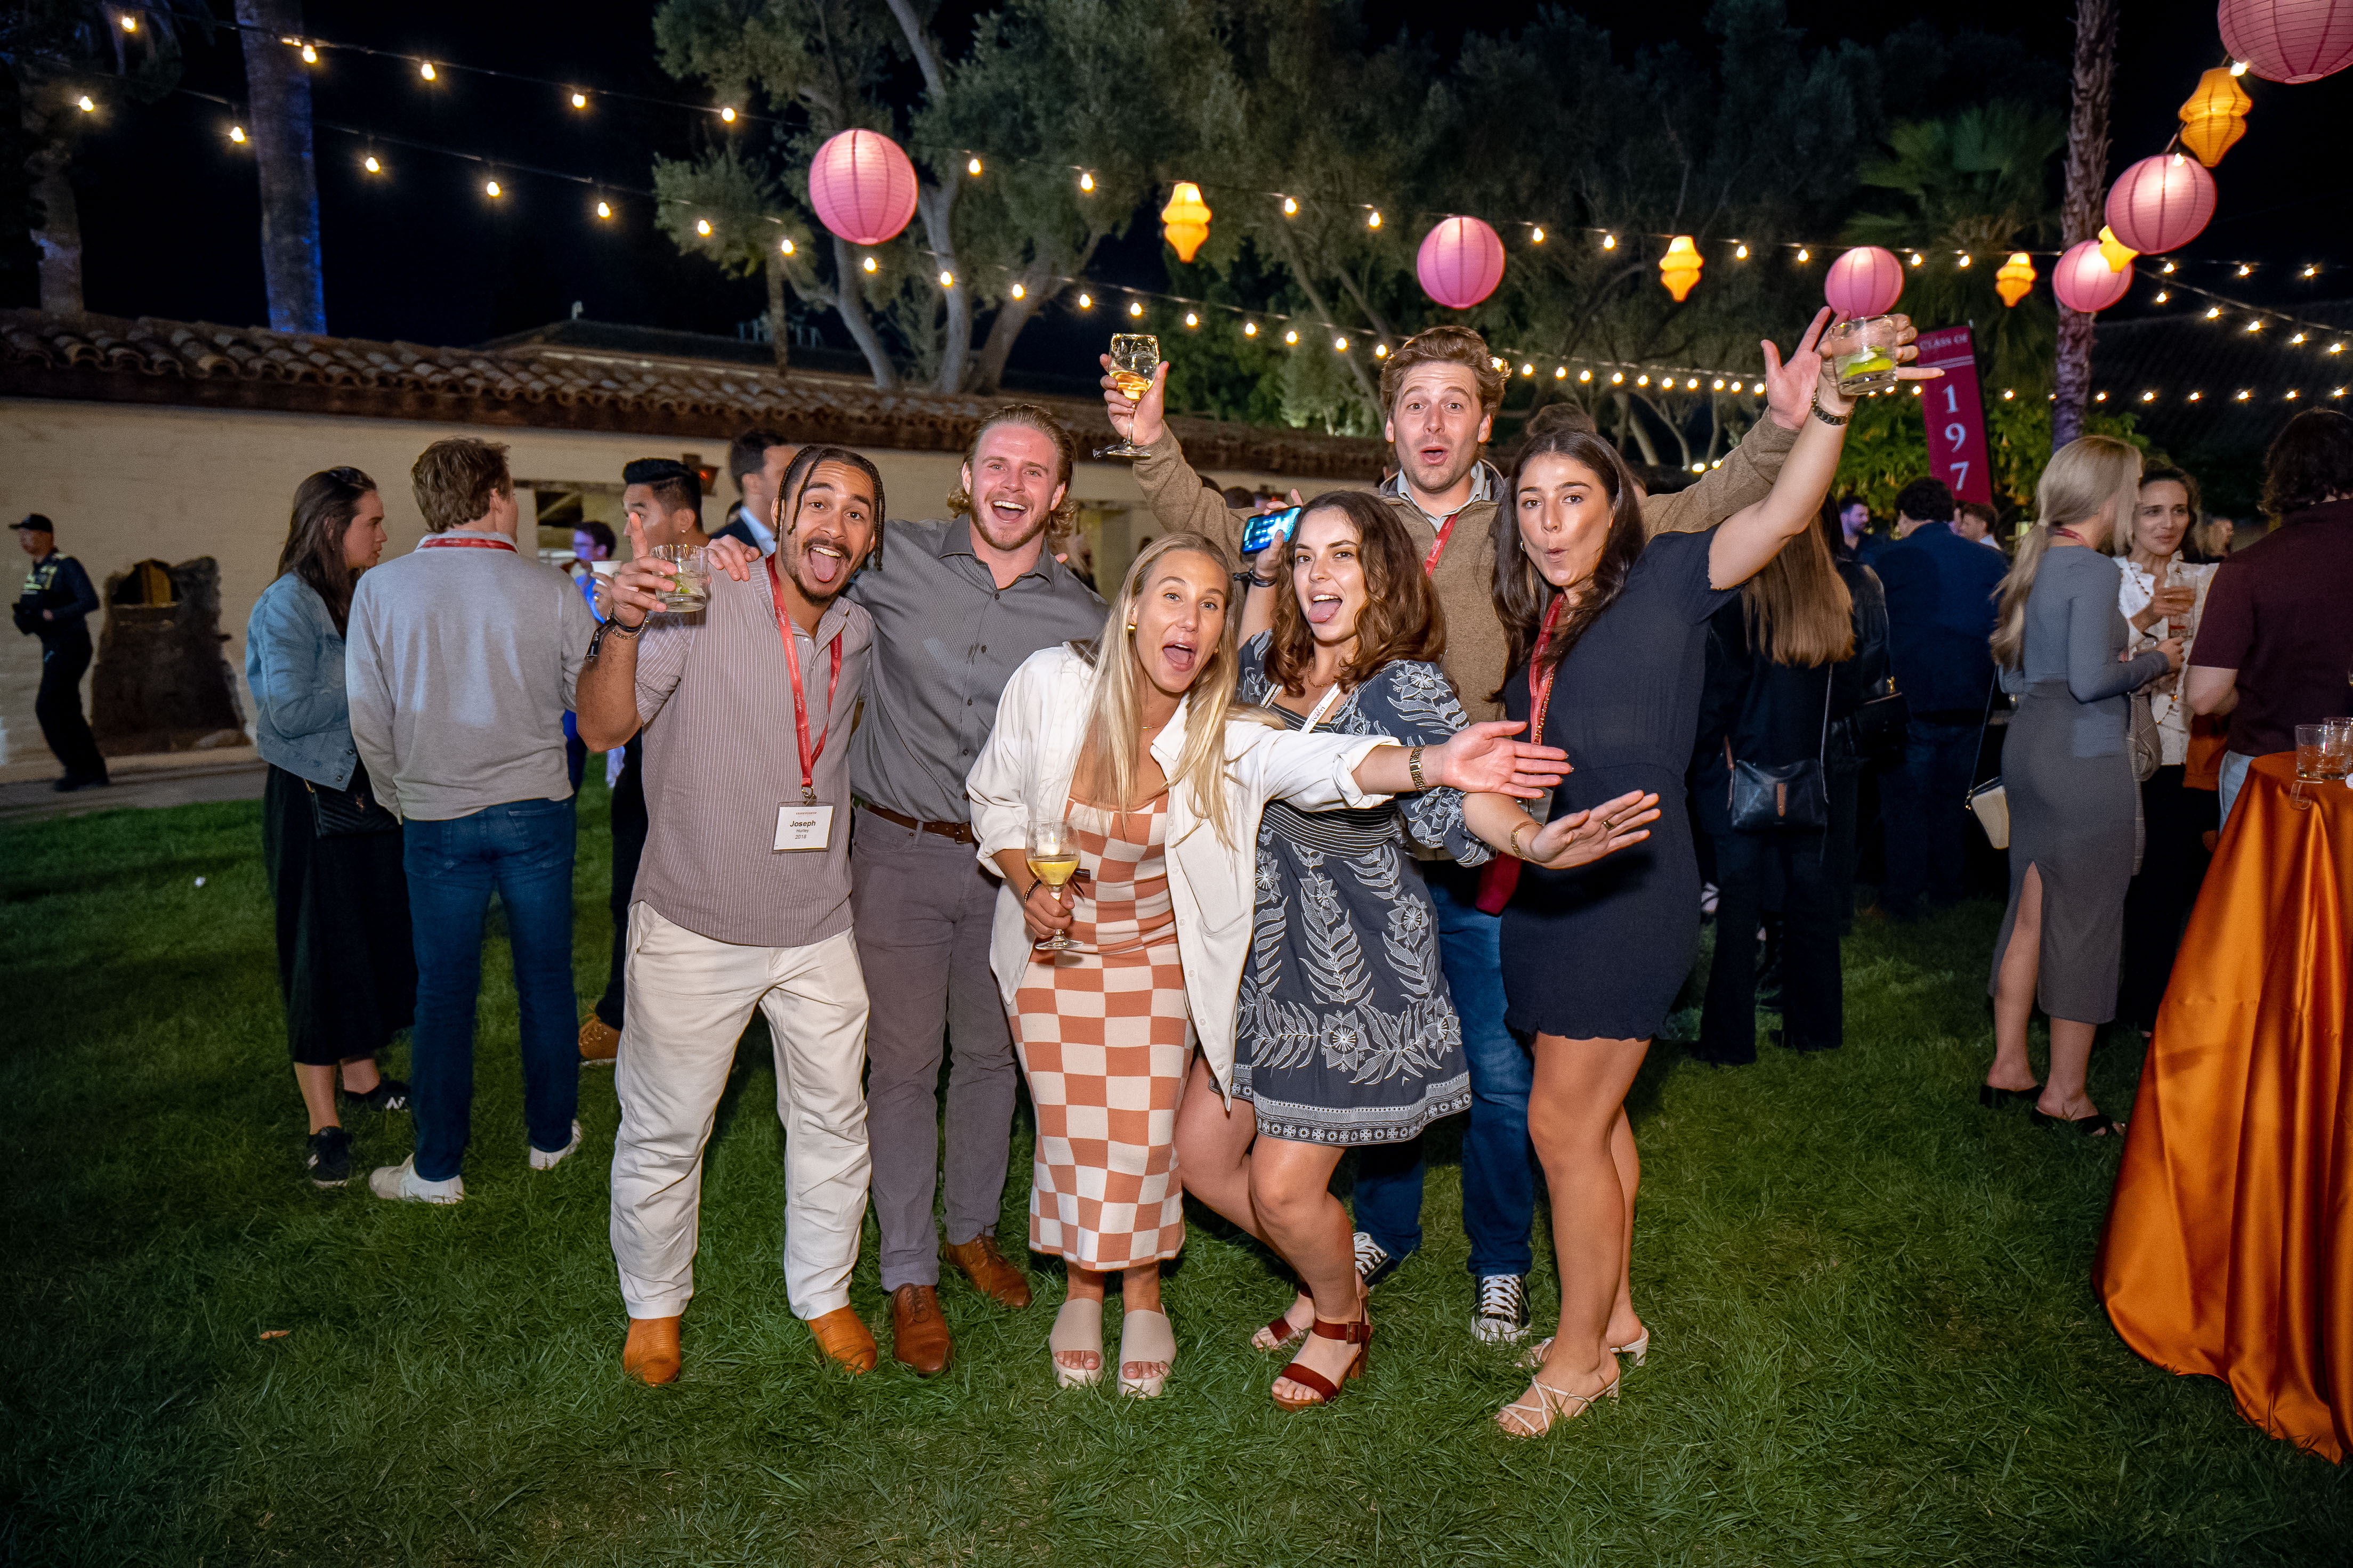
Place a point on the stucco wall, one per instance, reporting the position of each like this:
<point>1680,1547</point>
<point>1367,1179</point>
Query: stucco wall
<point>126,482</point>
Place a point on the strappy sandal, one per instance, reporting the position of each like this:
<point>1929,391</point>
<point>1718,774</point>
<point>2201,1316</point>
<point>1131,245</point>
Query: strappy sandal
<point>1280,1333</point>
<point>1550,1402</point>
<point>2099,1124</point>
<point>1359,1332</point>
<point>1148,1337</point>
<point>1638,1348</point>
<point>1996,1099</point>
<point>1078,1326</point>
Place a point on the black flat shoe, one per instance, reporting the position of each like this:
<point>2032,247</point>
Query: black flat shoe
<point>1994,1098</point>
<point>2099,1125</point>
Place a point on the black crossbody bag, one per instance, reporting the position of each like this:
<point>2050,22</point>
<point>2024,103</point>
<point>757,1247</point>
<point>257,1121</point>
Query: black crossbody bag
<point>350,812</point>
<point>1781,797</point>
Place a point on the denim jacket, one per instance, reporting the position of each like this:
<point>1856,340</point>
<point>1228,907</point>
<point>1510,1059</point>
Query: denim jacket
<point>295,666</point>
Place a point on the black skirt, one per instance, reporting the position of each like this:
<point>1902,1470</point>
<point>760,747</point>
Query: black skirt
<point>346,963</point>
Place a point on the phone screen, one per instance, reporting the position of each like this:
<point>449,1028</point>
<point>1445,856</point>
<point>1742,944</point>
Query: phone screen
<point>1264,531</point>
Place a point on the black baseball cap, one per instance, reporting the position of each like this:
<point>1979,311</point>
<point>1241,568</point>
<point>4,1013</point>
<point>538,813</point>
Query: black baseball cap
<point>36,523</point>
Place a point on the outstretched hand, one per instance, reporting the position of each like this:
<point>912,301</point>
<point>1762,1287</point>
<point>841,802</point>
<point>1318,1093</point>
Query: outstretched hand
<point>1484,759</point>
<point>1794,386</point>
<point>1142,422</point>
<point>1584,836</point>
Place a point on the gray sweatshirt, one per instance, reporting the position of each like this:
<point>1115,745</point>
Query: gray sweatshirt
<point>459,663</point>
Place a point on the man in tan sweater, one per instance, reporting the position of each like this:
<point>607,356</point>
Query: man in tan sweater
<point>1442,390</point>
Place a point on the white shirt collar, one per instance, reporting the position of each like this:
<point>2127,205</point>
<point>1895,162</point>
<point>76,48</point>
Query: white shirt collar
<point>1484,484</point>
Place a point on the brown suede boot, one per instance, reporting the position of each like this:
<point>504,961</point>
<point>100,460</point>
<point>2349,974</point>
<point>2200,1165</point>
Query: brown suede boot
<point>651,1355</point>
<point>989,1272</point>
<point>600,1042</point>
<point>919,1335</point>
<point>843,1335</point>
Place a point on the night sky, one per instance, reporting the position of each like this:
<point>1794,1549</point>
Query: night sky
<point>171,219</point>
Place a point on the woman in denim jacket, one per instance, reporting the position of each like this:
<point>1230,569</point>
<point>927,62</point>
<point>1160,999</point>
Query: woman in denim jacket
<point>346,966</point>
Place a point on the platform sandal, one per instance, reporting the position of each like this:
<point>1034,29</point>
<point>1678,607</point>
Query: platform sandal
<point>1359,1332</point>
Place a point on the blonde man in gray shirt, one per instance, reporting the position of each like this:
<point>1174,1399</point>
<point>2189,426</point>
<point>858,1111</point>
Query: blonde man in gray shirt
<point>743,897</point>
<point>460,659</point>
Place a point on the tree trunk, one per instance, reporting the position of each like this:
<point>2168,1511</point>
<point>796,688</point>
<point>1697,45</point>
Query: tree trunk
<point>279,91</point>
<point>988,365</point>
<point>936,205</point>
<point>2087,168</point>
<point>1366,386</point>
<point>779,326</point>
<point>849,303</point>
<point>59,236</point>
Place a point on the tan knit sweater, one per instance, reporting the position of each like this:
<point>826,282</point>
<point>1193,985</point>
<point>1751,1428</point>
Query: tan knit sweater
<point>1465,578</point>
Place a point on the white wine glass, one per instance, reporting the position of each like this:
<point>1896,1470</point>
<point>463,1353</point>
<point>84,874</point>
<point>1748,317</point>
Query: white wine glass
<point>1053,855</point>
<point>1133,357</point>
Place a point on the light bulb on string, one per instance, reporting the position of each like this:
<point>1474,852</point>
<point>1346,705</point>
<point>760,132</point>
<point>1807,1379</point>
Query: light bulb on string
<point>490,189</point>
<point>1135,307</point>
<point>425,70</point>
<point>1192,319</point>
<point>785,244</point>
<point>871,265</point>
<point>579,100</point>
<point>2213,312</point>
<point>1249,328</point>
<point>1608,242</point>
<point>727,114</point>
<point>1289,207</point>
<point>1585,375</point>
<point>130,23</point>
<point>2246,270</point>
<point>1086,302</point>
<point>2238,67</point>
<point>1292,337</point>
<point>2167,267</point>
<point>1527,369</point>
<point>1374,220</point>
<point>85,105</point>
<point>604,212</point>
<point>1804,255</point>
<point>1617,378</point>
<point>947,278</point>
<point>2243,395</point>
<point>236,133</point>
<point>1020,292</point>
<point>370,166</point>
<point>1718,385</point>
<point>2007,393</point>
<point>1915,259</point>
<point>1740,252</point>
<point>1642,380</point>
<point>2294,394</point>
<point>1965,259</point>
<point>1380,351</point>
<point>1692,386</point>
<point>2337,348</point>
<point>1086,180</point>
<point>2312,272</point>
<point>702,227</point>
<point>972,166</point>
<point>2096,397</point>
<point>2163,295</point>
<point>310,56</point>
<point>1538,235</point>
<point>2256,325</point>
<point>2193,396</point>
<point>2297,339</point>
<point>1560,372</point>
<point>2148,397</point>
<point>1340,345</point>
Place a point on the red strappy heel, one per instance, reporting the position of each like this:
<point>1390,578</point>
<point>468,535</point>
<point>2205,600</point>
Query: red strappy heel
<point>1359,1332</point>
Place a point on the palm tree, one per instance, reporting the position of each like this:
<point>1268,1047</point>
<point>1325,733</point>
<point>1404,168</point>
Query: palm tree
<point>278,94</point>
<point>2087,170</point>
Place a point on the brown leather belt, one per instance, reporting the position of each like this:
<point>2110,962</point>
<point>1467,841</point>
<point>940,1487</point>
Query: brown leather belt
<point>954,832</point>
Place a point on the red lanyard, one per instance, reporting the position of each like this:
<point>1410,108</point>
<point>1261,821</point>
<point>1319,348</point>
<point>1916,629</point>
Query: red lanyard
<point>2072,534</point>
<point>465,542</point>
<point>1445,532</point>
<point>1540,697</point>
<point>800,704</point>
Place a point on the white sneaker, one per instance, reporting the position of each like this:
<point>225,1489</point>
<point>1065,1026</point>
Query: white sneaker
<point>1499,1313</point>
<point>401,1184</point>
<point>548,1159</point>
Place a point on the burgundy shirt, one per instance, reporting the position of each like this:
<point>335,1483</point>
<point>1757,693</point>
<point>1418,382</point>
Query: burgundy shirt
<point>2281,613</point>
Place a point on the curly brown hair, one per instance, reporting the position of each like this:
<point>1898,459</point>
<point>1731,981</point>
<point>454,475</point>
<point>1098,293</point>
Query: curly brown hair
<point>1401,617</point>
<point>1064,518</point>
<point>453,482</point>
<point>1455,345</point>
<point>2310,462</point>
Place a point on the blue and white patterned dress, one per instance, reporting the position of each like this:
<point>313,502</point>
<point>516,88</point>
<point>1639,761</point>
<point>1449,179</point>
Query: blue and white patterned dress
<point>1345,1033</point>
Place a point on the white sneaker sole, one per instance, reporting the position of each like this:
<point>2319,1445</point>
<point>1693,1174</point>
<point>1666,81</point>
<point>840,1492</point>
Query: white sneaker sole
<point>548,1159</point>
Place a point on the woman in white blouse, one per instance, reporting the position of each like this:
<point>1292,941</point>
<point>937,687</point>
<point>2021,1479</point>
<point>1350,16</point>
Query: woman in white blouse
<point>1139,744</point>
<point>2163,596</point>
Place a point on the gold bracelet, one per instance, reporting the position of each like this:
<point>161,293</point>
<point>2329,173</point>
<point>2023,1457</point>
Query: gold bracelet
<point>1518,853</point>
<point>1413,768</point>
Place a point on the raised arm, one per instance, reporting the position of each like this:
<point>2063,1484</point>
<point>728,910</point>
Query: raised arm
<point>2094,670</point>
<point>1171,488</point>
<point>607,695</point>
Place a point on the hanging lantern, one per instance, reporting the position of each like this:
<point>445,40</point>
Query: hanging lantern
<point>2083,280</point>
<point>1865,281</point>
<point>1679,268</point>
<point>1185,221</point>
<point>2115,251</point>
<point>2215,116</point>
<point>862,187</point>
<point>1460,263</point>
<point>2160,202</point>
<point>2289,40</point>
<point>2016,278</point>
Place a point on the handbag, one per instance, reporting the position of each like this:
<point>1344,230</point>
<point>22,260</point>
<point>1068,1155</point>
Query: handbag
<point>1781,797</point>
<point>350,812</point>
<point>1873,735</point>
<point>1990,802</point>
<point>2148,751</point>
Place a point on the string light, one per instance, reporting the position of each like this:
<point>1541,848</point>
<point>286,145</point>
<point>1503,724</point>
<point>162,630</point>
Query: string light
<point>2007,393</point>
<point>129,24</point>
<point>1804,255</point>
<point>2297,339</point>
<point>2337,348</point>
<point>701,225</point>
<point>1290,338</point>
<point>1192,319</point>
<point>2167,267</point>
<point>2293,394</point>
<point>1135,307</point>
<point>1740,252</point>
<point>579,100</point>
<point>1374,221</point>
<point>1585,375</point>
<point>2163,295</point>
<point>85,105</point>
<point>1539,234</point>
<point>786,245</point>
<point>237,132</point>
<point>947,278</point>
<point>2096,397</point>
<point>1641,381</point>
<point>1560,372</point>
<point>1380,351</point>
<point>1617,378</point>
<point>2312,272</point>
<point>490,189</point>
<point>871,265</point>
<point>1340,345</point>
<point>2196,395</point>
<point>2238,67</point>
<point>1086,180</point>
<point>2243,395</point>
<point>1289,207</point>
<point>604,210</point>
<point>727,113</point>
<point>1019,292</point>
<point>1915,259</point>
<point>1249,328</point>
<point>971,167</point>
<point>1719,385</point>
<point>2213,312</point>
<point>370,166</point>
<point>2246,270</point>
<point>1527,369</point>
<point>2148,397</point>
<point>2256,325</point>
<point>1086,300</point>
<point>1608,242</point>
<point>1965,258</point>
<point>425,70</point>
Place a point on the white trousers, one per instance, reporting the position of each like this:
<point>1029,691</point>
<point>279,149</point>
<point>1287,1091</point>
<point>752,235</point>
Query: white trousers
<point>690,998</point>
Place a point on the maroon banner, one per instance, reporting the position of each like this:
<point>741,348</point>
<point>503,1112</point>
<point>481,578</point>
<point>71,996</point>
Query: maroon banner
<point>1956,415</point>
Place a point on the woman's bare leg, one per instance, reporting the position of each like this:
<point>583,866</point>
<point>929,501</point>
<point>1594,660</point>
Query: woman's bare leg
<point>1291,1188</point>
<point>2014,989</point>
<point>359,1075</point>
<point>2065,1094</point>
<point>1140,1293</point>
<point>1213,1148</point>
<point>1625,1326</point>
<point>317,1086</point>
<point>1087,1285</point>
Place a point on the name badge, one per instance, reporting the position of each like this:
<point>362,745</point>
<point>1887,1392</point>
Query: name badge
<point>804,826</point>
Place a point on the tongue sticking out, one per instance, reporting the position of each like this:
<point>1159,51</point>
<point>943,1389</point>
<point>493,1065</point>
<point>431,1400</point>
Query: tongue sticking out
<point>1322,610</point>
<point>823,567</point>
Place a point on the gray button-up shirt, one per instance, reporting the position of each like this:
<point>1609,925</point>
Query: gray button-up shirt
<point>946,640</point>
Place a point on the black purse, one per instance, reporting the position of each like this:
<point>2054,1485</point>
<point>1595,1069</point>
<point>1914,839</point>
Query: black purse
<point>1781,797</point>
<point>350,812</point>
<point>1873,734</point>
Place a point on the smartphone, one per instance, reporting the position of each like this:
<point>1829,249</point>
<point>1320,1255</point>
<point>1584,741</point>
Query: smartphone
<point>1264,531</point>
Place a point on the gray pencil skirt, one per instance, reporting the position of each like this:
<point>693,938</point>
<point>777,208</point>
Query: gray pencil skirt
<point>2075,818</point>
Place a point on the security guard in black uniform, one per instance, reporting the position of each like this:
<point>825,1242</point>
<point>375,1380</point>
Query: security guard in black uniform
<point>54,607</point>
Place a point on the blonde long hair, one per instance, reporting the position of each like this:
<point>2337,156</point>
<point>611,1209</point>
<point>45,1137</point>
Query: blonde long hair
<point>2089,475</point>
<point>1797,608</point>
<point>1114,712</point>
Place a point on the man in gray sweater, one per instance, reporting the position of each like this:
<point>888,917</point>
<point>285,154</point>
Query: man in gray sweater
<point>460,663</point>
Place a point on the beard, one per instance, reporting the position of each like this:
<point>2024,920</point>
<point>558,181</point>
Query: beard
<point>993,529</point>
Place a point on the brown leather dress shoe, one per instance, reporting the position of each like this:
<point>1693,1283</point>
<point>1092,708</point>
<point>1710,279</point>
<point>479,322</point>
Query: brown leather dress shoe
<point>651,1355</point>
<point>843,1335</point>
<point>600,1042</point>
<point>989,1272</point>
<point>919,1335</point>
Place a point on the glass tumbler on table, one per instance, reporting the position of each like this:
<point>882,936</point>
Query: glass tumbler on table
<point>690,590</point>
<point>1862,353</point>
<point>1054,856</point>
<point>1133,357</point>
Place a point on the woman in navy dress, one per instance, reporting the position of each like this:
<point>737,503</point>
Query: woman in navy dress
<point>1609,638</point>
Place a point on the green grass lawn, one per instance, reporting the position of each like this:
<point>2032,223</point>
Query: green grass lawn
<point>1875,1335</point>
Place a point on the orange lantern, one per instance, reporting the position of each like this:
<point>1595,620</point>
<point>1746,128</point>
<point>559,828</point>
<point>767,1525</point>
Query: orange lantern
<point>2115,251</point>
<point>2016,278</point>
<point>1185,221</point>
<point>2215,117</point>
<point>1679,268</point>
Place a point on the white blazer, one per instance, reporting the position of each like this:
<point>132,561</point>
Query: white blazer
<point>1026,768</point>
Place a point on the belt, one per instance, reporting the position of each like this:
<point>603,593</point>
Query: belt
<point>954,832</point>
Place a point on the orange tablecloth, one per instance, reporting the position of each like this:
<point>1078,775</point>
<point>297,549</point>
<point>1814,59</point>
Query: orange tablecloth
<point>2228,1247</point>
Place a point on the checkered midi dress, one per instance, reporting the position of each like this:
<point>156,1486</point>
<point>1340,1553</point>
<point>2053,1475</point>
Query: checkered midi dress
<point>1102,1035</point>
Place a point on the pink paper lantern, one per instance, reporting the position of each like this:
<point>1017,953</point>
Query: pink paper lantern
<point>2289,40</point>
<point>862,186</point>
<point>2083,281</point>
<point>1460,263</point>
<point>1865,281</point>
<point>2160,202</point>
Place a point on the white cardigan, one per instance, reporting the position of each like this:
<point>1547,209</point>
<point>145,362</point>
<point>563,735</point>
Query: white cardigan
<point>1026,768</point>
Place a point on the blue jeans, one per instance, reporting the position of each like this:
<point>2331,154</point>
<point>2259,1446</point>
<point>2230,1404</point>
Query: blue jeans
<point>1924,804</point>
<point>2234,777</point>
<point>1499,1186</point>
<point>521,848</point>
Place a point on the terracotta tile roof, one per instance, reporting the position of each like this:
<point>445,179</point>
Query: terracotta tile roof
<point>544,382</point>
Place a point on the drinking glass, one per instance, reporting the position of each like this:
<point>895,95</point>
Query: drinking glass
<point>2336,748</point>
<point>2311,751</point>
<point>1053,853</point>
<point>690,590</point>
<point>1133,357</point>
<point>1862,353</point>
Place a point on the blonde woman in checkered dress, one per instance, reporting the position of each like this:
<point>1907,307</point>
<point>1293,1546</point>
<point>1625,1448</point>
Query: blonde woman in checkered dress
<point>1140,740</point>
